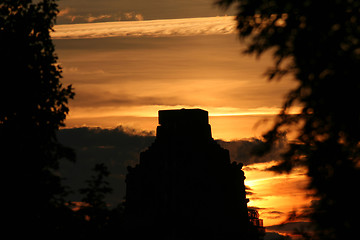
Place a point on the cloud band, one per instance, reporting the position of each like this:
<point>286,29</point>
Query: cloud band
<point>151,28</point>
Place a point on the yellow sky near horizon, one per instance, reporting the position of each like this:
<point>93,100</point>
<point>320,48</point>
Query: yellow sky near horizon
<point>276,195</point>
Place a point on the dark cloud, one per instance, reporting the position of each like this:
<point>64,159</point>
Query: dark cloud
<point>249,190</point>
<point>275,235</point>
<point>252,196</point>
<point>120,147</point>
<point>80,11</point>
<point>99,98</point>
<point>117,148</point>
<point>293,228</point>
<point>257,208</point>
<point>272,214</point>
<point>243,151</point>
<point>75,15</point>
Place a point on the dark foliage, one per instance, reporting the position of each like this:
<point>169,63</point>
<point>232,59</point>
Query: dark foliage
<point>96,218</point>
<point>318,43</point>
<point>33,105</point>
<point>97,188</point>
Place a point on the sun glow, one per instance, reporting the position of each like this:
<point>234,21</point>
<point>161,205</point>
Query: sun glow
<point>226,123</point>
<point>152,111</point>
<point>270,191</point>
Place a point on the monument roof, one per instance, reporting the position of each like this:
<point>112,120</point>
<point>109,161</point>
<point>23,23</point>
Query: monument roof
<point>183,117</point>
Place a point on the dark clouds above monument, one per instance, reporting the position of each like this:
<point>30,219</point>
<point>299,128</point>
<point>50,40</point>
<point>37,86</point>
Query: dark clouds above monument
<point>120,147</point>
<point>243,151</point>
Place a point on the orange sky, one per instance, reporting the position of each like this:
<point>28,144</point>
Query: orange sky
<point>177,63</point>
<point>276,194</point>
<point>124,73</point>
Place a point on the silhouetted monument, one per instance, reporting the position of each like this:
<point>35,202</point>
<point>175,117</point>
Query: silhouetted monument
<point>185,186</point>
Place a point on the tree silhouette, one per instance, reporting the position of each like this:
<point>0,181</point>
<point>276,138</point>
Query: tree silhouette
<point>97,187</point>
<point>33,105</point>
<point>95,211</point>
<point>318,43</point>
<point>98,220</point>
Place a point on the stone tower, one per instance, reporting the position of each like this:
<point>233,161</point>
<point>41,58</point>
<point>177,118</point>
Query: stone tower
<point>185,186</point>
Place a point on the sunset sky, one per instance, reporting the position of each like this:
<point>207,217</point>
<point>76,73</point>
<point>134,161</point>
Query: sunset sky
<point>129,59</point>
